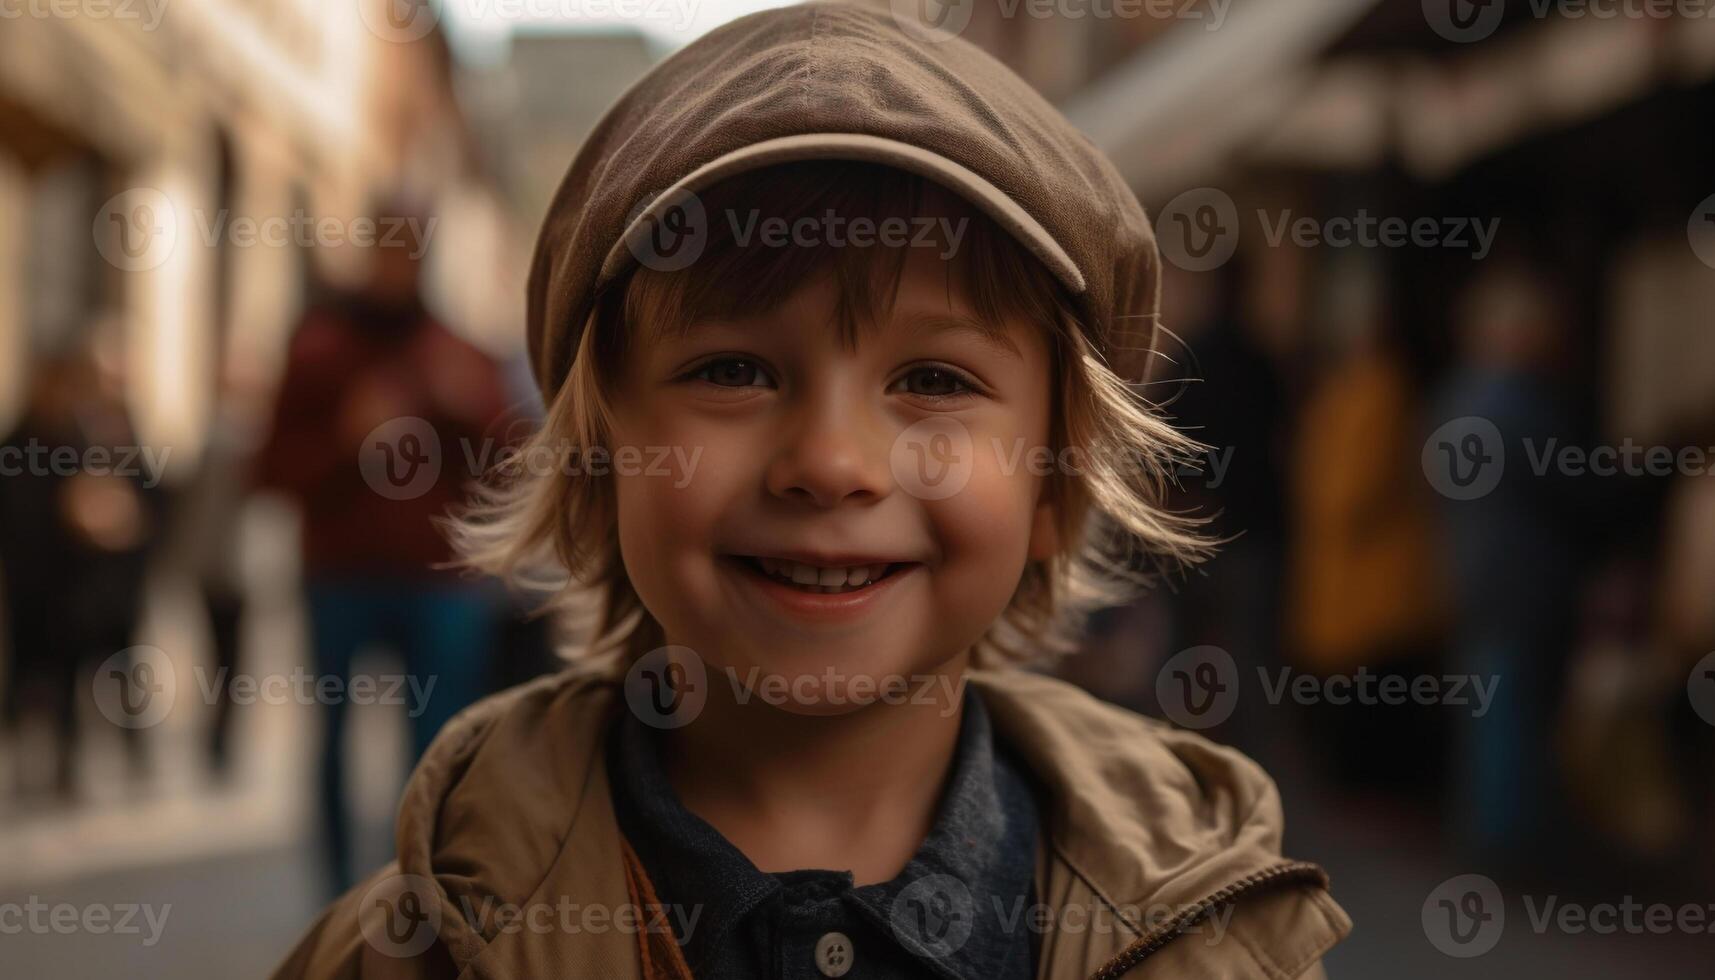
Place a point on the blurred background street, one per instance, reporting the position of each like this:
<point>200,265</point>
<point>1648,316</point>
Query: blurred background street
<point>1440,279</point>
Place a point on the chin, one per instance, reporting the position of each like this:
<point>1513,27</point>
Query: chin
<point>823,677</point>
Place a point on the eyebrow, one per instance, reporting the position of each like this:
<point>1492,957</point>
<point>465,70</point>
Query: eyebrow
<point>993,336</point>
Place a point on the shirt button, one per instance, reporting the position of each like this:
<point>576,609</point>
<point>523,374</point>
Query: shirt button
<point>834,954</point>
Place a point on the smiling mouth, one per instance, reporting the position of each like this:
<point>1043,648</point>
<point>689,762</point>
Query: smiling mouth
<point>819,579</point>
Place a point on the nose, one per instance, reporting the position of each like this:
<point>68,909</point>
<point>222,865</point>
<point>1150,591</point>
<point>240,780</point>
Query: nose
<point>834,453</point>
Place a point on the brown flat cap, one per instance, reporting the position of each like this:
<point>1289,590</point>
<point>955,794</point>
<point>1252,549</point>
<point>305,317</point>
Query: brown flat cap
<point>837,81</point>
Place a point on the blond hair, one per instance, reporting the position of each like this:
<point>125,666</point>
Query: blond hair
<point>555,531</point>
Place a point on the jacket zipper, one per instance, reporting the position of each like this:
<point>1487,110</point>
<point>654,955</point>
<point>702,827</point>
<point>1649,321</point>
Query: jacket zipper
<point>1150,943</point>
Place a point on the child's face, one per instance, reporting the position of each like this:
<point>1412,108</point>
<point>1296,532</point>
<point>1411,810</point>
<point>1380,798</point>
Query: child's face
<point>811,456</point>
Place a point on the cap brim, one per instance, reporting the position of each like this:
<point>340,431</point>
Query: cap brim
<point>854,146</point>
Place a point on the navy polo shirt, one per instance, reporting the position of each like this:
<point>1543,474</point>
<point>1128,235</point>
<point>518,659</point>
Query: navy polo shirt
<point>959,910</point>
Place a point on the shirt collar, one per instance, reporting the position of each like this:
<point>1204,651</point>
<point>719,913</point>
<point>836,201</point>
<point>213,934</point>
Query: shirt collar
<point>977,861</point>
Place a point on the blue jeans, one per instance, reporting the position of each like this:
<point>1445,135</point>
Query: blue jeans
<point>1504,767</point>
<point>442,632</point>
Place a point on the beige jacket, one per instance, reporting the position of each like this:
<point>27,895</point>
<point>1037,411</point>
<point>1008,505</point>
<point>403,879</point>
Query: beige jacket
<point>1160,857</point>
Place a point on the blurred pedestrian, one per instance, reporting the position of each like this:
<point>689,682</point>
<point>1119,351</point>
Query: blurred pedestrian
<point>376,390</point>
<point>78,517</point>
<point>1514,559</point>
<point>209,510</point>
<point>1685,635</point>
<point>1363,579</point>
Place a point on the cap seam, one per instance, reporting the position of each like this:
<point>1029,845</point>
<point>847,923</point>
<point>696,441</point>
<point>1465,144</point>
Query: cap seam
<point>810,46</point>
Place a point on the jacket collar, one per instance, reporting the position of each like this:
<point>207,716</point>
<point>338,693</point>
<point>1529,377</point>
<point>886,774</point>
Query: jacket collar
<point>1144,816</point>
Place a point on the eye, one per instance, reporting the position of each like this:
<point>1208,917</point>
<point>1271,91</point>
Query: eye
<point>732,372</point>
<point>935,381</point>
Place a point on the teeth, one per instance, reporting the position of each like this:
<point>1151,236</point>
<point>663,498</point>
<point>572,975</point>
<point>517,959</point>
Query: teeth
<point>813,578</point>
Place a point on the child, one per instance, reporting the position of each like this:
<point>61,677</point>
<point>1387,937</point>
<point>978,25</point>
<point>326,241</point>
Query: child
<point>836,322</point>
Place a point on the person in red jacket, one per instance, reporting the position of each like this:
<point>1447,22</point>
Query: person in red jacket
<point>379,406</point>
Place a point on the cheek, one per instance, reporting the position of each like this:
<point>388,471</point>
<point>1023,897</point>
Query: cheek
<point>984,532</point>
<point>669,508</point>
